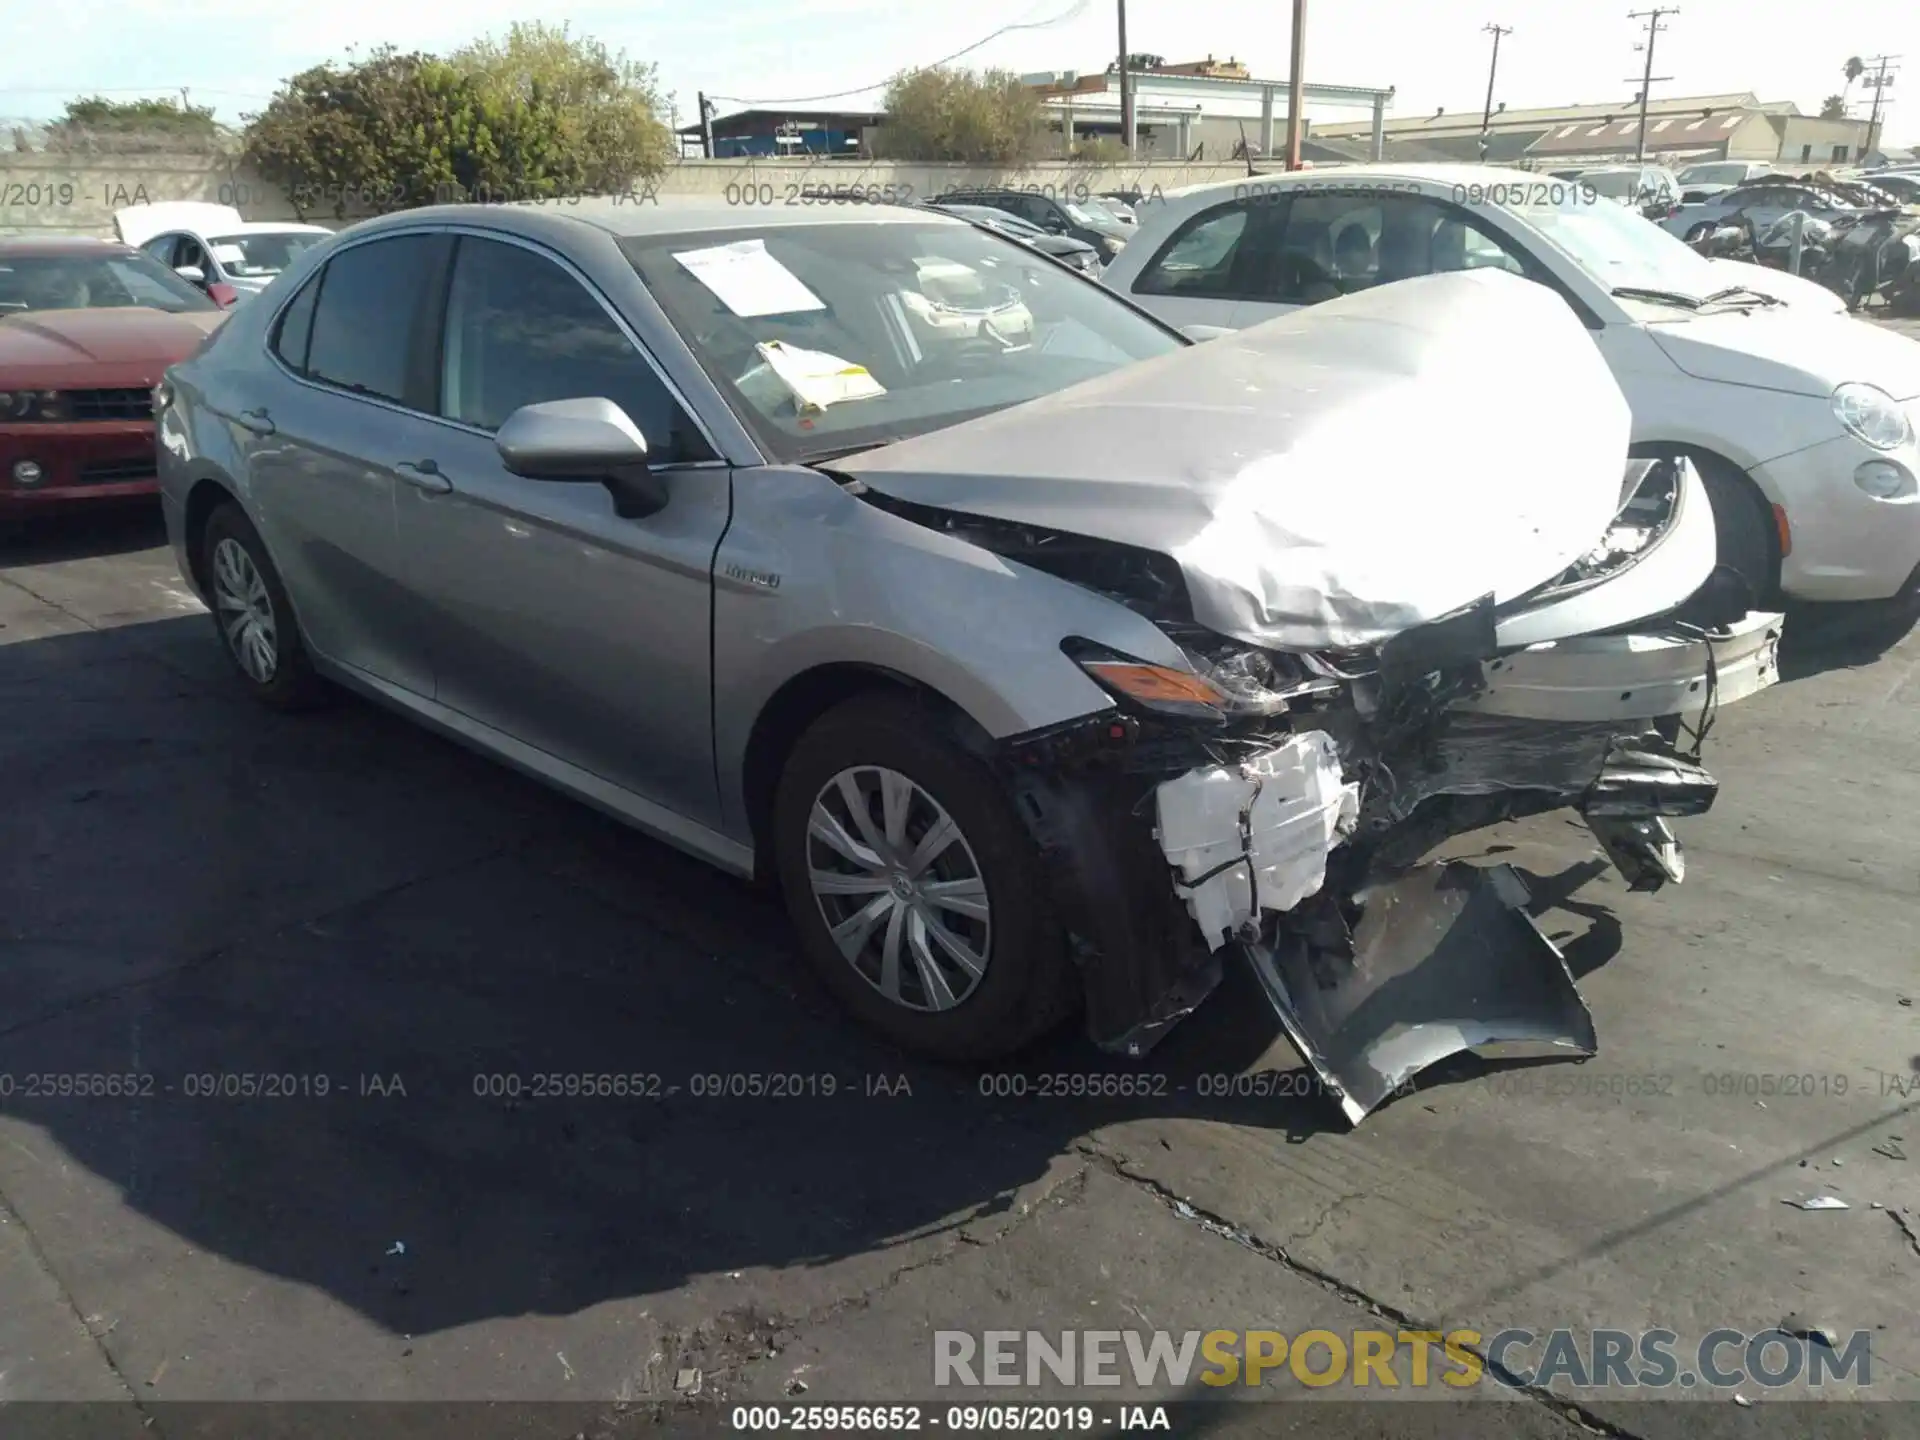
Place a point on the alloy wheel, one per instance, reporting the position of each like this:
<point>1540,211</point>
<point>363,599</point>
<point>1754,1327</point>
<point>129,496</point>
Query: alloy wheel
<point>245,610</point>
<point>899,887</point>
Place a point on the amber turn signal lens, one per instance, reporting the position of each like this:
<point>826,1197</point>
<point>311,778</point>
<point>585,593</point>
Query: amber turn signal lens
<point>1155,684</point>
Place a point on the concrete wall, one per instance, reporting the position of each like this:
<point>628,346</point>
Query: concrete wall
<point>50,194</point>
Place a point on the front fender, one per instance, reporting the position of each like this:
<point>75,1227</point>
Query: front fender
<point>809,575</point>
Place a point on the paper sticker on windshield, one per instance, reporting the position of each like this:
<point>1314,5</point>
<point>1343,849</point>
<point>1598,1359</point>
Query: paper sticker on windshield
<point>229,254</point>
<point>749,281</point>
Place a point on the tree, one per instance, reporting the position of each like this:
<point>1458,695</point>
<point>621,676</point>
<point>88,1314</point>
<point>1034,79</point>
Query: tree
<point>1834,107</point>
<point>116,124</point>
<point>540,115</point>
<point>988,118</point>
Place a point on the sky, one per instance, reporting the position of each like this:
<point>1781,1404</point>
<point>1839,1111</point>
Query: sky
<point>232,54</point>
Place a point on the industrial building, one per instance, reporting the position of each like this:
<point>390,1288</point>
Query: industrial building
<point>1679,129</point>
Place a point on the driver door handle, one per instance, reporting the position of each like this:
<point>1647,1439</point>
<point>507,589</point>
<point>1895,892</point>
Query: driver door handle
<point>257,421</point>
<point>424,475</point>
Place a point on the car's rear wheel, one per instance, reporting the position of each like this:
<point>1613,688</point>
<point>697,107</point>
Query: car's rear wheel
<point>1743,527</point>
<point>916,891</point>
<point>253,615</point>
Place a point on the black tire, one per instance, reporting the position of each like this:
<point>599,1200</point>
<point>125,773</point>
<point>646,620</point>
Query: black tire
<point>1027,985</point>
<point>290,682</point>
<point>1743,528</point>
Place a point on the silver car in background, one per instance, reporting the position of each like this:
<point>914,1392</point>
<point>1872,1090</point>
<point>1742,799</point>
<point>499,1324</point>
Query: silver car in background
<point>1041,657</point>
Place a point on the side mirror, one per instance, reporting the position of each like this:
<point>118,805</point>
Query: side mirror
<point>589,439</point>
<point>191,273</point>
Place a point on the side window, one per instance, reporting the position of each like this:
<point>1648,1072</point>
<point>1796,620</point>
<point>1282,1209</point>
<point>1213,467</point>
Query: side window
<point>190,253</point>
<point>161,248</point>
<point>1337,244</point>
<point>295,326</point>
<point>521,330</point>
<point>363,321</point>
<point>1199,259</point>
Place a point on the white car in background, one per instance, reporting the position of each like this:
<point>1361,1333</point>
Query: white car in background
<point>210,245</point>
<point>1800,418</point>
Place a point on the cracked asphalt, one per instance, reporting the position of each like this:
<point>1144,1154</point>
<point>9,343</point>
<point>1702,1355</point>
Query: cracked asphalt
<point>193,889</point>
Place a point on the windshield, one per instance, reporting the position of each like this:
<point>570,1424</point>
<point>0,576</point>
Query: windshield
<point>1730,174</point>
<point>266,252</point>
<point>1617,246</point>
<point>1614,184</point>
<point>93,282</point>
<point>833,337</point>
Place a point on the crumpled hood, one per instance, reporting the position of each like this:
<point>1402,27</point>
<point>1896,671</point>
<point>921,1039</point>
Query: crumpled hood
<point>1326,479</point>
<point>51,347</point>
<point>1795,350</point>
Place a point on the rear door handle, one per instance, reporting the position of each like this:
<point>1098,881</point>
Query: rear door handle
<point>258,421</point>
<point>424,475</point>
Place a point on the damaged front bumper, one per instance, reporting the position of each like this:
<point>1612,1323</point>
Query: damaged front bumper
<point>1303,856</point>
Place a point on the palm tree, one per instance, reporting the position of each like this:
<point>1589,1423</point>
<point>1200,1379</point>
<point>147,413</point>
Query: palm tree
<point>1853,70</point>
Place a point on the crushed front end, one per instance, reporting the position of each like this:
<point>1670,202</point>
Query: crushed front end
<point>1279,806</point>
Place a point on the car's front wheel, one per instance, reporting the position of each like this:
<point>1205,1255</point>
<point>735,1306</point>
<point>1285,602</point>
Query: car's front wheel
<point>1743,525</point>
<point>916,891</point>
<point>253,615</point>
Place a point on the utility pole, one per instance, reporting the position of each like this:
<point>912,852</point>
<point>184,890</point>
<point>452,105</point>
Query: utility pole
<point>1297,85</point>
<point>1486,115</point>
<point>1126,86</point>
<point>1881,81</point>
<point>1654,27</point>
<point>706,126</point>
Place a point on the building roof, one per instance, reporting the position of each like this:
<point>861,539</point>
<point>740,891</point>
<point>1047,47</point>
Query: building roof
<point>1468,121</point>
<point>1664,132</point>
<point>787,112</point>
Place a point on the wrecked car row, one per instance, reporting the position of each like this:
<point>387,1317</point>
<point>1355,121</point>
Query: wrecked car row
<point>1044,658</point>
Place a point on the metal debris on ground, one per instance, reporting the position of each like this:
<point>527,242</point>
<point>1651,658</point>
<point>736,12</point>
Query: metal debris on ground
<point>399,1247</point>
<point>687,1382</point>
<point>1802,1329</point>
<point>1890,1150</point>
<point>1819,1202</point>
<point>796,1386</point>
<point>1741,1400</point>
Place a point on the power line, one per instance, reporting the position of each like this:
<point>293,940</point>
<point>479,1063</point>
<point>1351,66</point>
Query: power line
<point>1071,12</point>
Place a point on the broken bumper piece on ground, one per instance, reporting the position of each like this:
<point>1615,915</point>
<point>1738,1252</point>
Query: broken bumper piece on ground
<point>1444,958</point>
<point>1396,965</point>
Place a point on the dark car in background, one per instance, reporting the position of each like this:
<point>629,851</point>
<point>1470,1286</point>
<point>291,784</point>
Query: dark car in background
<point>87,329</point>
<point>1075,254</point>
<point>1056,214</point>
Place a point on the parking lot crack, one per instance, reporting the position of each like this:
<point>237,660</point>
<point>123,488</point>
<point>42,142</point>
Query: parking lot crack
<point>38,1256</point>
<point>1278,1254</point>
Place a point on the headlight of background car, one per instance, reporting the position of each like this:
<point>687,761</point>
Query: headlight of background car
<point>1873,415</point>
<point>32,405</point>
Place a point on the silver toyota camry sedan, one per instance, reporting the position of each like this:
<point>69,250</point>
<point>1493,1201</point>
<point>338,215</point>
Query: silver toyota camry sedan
<point>1043,659</point>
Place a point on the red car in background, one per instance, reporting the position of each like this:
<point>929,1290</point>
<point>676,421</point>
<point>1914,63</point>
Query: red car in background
<point>87,328</point>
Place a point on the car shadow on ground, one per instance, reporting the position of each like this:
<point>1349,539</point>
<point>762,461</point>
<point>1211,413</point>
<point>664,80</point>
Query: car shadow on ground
<point>102,527</point>
<point>367,988</point>
<point>1820,638</point>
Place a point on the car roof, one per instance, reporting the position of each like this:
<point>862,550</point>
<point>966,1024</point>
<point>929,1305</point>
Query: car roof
<point>267,227</point>
<point>44,245</point>
<point>1436,174</point>
<point>664,215</point>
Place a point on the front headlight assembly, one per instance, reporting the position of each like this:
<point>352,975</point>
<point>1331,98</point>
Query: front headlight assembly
<point>1235,682</point>
<point>46,405</point>
<point>1872,415</point>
